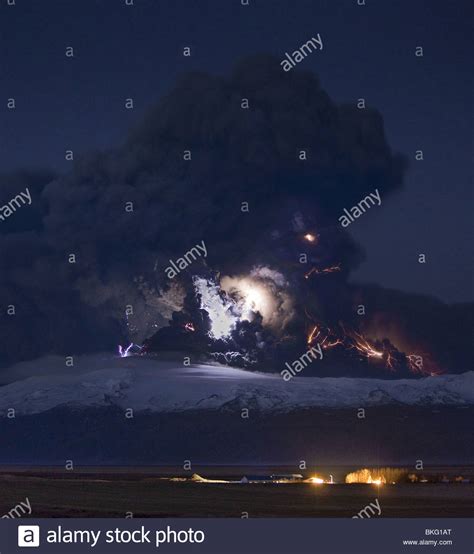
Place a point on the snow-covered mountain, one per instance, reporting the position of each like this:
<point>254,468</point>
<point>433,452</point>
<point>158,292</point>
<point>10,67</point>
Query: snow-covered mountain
<point>161,386</point>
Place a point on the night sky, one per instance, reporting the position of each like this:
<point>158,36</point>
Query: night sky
<point>144,311</point>
<point>369,52</point>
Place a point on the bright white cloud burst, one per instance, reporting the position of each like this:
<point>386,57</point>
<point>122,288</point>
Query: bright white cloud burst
<point>239,298</point>
<point>218,308</point>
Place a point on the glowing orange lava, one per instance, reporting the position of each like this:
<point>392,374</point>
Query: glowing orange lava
<point>323,271</point>
<point>364,347</point>
<point>384,352</point>
<point>313,334</point>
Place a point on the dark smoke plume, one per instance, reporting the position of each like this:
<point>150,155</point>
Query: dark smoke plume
<point>238,156</point>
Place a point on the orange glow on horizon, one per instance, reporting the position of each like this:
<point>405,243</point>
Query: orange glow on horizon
<point>316,480</point>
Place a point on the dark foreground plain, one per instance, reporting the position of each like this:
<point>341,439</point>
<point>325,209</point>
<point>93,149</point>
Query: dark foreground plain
<point>118,492</point>
<point>103,437</point>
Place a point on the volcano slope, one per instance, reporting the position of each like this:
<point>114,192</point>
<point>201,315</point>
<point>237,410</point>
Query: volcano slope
<point>137,410</point>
